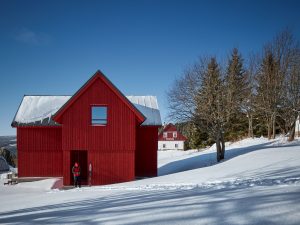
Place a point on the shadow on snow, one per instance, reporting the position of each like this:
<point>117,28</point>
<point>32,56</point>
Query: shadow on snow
<point>228,206</point>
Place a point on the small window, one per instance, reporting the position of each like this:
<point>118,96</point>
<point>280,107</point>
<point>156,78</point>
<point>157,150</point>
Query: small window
<point>176,145</point>
<point>164,145</point>
<point>175,134</point>
<point>165,134</point>
<point>99,115</point>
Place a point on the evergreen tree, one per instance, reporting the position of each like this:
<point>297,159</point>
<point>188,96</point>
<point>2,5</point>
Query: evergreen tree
<point>235,82</point>
<point>210,104</point>
<point>197,138</point>
<point>236,92</point>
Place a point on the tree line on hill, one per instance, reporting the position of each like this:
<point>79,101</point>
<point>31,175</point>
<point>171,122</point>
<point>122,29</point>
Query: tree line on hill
<point>214,103</point>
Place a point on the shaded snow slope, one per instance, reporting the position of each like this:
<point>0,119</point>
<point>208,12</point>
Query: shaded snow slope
<point>176,161</point>
<point>258,183</point>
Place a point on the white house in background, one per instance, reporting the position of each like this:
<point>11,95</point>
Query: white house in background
<point>171,139</point>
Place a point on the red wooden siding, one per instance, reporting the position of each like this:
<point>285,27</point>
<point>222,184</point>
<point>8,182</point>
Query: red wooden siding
<point>119,151</point>
<point>111,147</point>
<point>39,152</point>
<point>146,152</point>
<point>112,167</point>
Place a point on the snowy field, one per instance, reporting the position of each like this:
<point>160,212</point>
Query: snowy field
<point>258,183</point>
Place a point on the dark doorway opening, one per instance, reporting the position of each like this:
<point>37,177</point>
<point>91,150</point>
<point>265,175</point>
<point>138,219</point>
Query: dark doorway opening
<point>80,156</point>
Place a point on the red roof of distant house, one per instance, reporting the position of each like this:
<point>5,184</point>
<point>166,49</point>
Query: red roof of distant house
<point>169,134</point>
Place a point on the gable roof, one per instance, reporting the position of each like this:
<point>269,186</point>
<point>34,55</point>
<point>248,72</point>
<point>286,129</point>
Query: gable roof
<point>98,75</point>
<point>170,128</point>
<point>37,110</point>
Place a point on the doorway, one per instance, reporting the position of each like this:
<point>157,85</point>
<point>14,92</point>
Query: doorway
<point>79,156</point>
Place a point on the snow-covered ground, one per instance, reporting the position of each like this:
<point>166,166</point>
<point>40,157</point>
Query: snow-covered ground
<point>258,183</point>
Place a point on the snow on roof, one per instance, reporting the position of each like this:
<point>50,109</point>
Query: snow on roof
<point>148,106</point>
<point>38,110</point>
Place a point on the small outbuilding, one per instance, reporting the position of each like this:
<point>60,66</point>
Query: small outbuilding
<point>97,125</point>
<point>170,138</point>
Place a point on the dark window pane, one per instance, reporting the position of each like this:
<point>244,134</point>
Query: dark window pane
<point>99,115</point>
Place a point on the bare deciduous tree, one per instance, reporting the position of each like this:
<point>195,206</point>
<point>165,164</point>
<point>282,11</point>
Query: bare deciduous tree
<point>278,82</point>
<point>269,88</point>
<point>181,97</point>
<point>248,103</point>
<point>287,52</point>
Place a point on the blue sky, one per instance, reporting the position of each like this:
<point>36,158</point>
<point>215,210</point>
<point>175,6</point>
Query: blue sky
<point>53,47</point>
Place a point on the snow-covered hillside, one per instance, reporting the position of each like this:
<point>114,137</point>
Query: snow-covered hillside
<point>258,183</point>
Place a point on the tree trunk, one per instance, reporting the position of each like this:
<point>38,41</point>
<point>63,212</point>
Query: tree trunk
<point>222,146</point>
<point>274,125</point>
<point>218,146</point>
<point>250,127</point>
<point>269,128</point>
<point>292,131</point>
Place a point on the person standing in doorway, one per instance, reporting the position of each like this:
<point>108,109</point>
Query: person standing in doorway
<point>76,174</point>
<point>90,173</point>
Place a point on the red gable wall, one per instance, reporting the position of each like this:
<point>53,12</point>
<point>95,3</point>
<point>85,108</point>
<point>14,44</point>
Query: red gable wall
<point>111,147</point>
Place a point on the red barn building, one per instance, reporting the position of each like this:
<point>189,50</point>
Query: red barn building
<point>97,125</point>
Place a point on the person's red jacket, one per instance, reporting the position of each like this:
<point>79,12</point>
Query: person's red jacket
<point>76,170</point>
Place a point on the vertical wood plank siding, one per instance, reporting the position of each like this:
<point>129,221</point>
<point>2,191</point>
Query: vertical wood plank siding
<point>146,153</point>
<point>118,151</point>
<point>111,148</point>
<point>39,152</point>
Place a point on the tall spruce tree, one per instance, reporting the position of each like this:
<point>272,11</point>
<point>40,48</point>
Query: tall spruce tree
<point>236,92</point>
<point>235,82</point>
<point>210,106</point>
